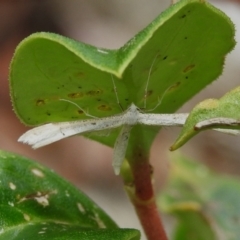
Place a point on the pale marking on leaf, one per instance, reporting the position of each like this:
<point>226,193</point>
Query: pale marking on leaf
<point>67,193</point>
<point>1,231</point>
<point>81,208</point>
<point>11,204</point>
<point>42,232</point>
<point>99,222</point>
<point>37,172</point>
<point>102,51</point>
<point>41,198</point>
<point>26,217</point>
<point>12,186</point>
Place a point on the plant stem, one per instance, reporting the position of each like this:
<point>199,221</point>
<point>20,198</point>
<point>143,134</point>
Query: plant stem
<point>141,193</point>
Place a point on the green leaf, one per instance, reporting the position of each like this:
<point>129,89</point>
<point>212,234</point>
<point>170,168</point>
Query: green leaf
<point>225,112</point>
<point>206,205</point>
<point>158,70</point>
<point>35,203</point>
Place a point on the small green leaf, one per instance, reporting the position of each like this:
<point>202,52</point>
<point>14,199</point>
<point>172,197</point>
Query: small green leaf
<point>225,112</point>
<point>35,203</point>
<point>158,70</point>
<point>206,205</point>
<point>59,231</point>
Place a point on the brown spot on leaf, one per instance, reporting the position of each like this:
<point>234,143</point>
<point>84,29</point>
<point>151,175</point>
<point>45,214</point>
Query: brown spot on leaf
<point>40,102</point>
<point>188,68</point>
<point>94,92</point>
<point>80,111</point>
<point>79,74</point>
<point>174,86</point>
<point>104,107</point>
<point>75,95</point>
<point>148,93</point>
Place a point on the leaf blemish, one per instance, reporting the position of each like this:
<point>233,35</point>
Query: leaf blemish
<point>188,68</point>
<point>26,217</point>
<point>12,186</point>
<point>67,194</point>
<point>148,94</point>
<point>94,92</point>
<point>43,200</point>
<point>75,95</point>
<point>81,208</point>
<point>40,197</point>
<point>80,112</point>
<point>11,204</point>
<point>183,16</point>
<point>79,74</point>
<point>102,51</point>
<point>99,222</point>
<point>37,172</point>
<point>40,102</point>
<point>104,107</point>
<point>165,57</point>
<point>174,86</point>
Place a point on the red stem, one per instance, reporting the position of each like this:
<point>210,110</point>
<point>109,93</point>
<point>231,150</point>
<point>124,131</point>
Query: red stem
<point>138,183</point>
<point>144,202</point>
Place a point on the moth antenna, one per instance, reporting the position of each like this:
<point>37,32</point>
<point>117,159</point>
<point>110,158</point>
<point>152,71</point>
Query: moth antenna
<point>160,100</point>
<point>85,112</point>
<point>115,91</point>
<point>148,79</point>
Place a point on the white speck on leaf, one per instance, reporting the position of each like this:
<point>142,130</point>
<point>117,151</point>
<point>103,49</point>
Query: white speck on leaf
<point>81,208</point>
<point>11,204</point>
<point>43,200</point>
<point>12,186</point>
<point>102,51</point>
<point>67,193</point>
<point>40,197</point>
<point>26,217</point>
<point>37,172</point>
<point>99,222</point>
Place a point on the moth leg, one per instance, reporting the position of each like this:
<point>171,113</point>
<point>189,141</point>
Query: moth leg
<point>120,148</point>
